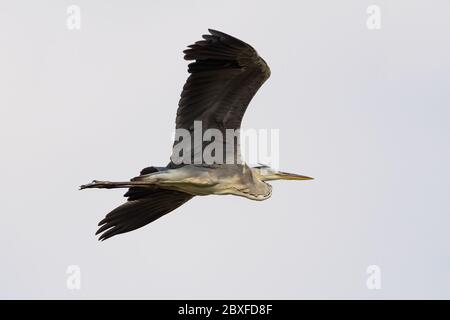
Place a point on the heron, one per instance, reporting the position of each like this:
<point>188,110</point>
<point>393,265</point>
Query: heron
<point>224,75</point>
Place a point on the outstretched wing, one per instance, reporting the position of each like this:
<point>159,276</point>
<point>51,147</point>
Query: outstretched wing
<point>144,206</point>
<point>224,77</point>
<point>137,213</point>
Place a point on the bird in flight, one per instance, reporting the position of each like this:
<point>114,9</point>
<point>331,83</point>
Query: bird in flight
<point>224,76</point>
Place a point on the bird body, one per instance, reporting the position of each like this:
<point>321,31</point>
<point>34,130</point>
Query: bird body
<point>224,77</point>
<point>200,180</point>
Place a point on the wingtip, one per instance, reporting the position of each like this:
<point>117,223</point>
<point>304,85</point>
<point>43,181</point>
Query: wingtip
<point>216,32</point>
<point>101,236</point>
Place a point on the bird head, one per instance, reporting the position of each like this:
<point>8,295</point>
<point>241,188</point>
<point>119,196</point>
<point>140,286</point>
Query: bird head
<point>266,173</point>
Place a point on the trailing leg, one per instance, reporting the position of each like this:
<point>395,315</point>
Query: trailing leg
<point>111,184</point>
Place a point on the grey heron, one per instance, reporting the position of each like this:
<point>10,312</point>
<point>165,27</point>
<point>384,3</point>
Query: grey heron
<point>224,76</point>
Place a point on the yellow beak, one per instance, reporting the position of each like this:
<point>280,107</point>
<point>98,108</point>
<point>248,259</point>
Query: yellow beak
<point>292,176</point>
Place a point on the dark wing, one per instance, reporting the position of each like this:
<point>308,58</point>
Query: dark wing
<point>137,213</point>
<point>225,76</point>
<point>144,205</point>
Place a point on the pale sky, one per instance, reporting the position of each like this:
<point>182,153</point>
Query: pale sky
<point>363,111</point>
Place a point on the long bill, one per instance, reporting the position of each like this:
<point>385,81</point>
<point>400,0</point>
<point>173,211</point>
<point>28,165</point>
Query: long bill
<point>292,176</point>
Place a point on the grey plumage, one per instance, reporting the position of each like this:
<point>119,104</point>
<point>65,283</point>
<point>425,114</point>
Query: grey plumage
<point>224,77</point>
<point>144,205</point>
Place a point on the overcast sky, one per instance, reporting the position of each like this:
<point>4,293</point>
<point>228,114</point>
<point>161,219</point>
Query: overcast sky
<point>364,111</point>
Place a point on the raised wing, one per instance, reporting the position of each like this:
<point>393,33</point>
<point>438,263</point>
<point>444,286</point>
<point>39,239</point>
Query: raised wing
<point>224,77</point>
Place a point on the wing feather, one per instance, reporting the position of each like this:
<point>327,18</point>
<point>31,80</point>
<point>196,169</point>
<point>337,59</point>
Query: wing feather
<point>135,214</point>
<point>144,206</point>
<point>224,77</point>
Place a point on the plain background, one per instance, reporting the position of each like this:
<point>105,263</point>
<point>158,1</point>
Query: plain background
<point>365,112</point>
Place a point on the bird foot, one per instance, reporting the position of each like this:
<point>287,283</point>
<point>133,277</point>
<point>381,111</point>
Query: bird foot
<point>95,184</point>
